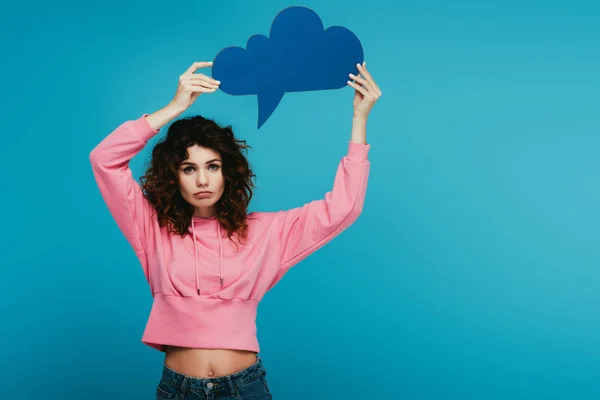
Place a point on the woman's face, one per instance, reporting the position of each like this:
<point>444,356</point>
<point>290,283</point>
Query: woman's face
<point>201,180</point>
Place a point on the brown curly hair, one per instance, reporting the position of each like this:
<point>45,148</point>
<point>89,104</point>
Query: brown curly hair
<point>160,183</point>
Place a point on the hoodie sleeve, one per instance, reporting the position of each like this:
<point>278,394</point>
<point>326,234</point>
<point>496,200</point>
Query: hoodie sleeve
<point>305,229</point>
<point>121,193</point>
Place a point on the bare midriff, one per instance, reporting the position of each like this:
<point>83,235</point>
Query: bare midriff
<point>207,363</point>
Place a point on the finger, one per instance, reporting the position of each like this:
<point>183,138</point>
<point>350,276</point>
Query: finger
<point>363,70</point>
<point>205,78</point>
<point>202,76</point>
<point>206,85</point>
<point>362,90</point>
<point>197,88</point>
<point>364,83</point>
<point>373,92</point>
<point>202,89</point>
<point>196,65</point>
<point>199,82</point>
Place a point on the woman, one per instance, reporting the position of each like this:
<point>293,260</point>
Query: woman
<point>207,261</point>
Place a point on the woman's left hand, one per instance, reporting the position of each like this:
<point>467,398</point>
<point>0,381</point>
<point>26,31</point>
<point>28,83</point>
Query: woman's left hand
<point>366,92</point>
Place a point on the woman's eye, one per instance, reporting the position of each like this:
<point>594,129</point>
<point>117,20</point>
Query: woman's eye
<point>188,170</point>
<point>216,167</point>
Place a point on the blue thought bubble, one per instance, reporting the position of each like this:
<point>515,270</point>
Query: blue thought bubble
<point>299,55</point>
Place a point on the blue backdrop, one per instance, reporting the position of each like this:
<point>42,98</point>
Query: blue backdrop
<point>473,272</point>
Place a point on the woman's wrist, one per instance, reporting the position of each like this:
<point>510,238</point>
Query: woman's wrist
<point>359,130</point>
<point>161,117</point>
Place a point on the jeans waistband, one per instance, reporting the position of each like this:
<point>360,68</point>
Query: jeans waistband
<point>209,385</point>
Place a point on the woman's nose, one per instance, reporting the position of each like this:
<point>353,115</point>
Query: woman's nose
<point>201,179</point>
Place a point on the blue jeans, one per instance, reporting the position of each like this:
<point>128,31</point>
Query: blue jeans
<point>247,384</point>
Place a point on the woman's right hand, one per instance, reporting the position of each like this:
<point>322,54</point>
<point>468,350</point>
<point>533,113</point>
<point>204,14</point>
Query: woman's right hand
<point>192,85</point>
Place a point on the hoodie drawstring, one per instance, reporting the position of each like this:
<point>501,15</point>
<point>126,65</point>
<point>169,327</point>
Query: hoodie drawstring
<point>220,252</point>
<point>196,256</point>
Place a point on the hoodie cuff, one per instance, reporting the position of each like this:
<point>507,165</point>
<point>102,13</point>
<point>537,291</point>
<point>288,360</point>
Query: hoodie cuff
<point>143,129</point>
<point>358,151</point>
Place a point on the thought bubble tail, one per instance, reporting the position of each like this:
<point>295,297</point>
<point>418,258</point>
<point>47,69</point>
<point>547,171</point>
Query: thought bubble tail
<point>267,103</point>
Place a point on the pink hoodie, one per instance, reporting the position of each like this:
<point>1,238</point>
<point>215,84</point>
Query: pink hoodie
<point>205,290</point>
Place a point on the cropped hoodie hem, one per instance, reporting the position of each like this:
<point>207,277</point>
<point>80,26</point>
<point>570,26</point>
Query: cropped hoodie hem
<point>224,323</point>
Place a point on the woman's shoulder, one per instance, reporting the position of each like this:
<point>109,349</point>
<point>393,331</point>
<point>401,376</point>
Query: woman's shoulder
<point>257,217</point>
<point>261,220</point>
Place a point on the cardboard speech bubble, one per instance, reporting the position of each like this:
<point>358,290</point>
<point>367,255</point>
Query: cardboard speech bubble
<point>299,55</point>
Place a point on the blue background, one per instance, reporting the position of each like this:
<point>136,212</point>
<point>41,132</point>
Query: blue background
<point>473,272</point>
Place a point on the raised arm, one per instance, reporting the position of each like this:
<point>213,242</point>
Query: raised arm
<point>110,159</point>
<point>121,193</point>
<point>305,229</point>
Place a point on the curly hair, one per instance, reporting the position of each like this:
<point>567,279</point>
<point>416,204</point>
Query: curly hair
<point>160,183</point>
